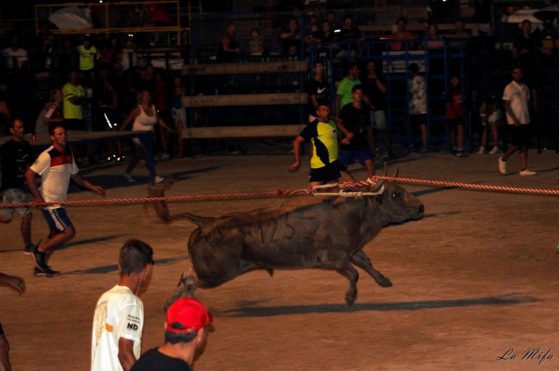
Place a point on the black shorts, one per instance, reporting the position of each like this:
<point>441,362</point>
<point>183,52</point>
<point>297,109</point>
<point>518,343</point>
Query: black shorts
<point>521,135</point>
<point>417,120</point>
<point>452,123</point>
<point>328,173</point>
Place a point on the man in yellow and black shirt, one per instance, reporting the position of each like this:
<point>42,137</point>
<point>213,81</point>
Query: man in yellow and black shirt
<point>323,136</point>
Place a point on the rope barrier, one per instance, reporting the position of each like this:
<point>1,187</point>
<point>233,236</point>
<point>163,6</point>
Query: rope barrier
<point>294,193</point>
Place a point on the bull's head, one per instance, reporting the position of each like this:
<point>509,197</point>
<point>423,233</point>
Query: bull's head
<point>397,203</point>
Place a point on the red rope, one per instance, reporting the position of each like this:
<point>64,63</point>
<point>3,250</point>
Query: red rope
<point>291,193</point>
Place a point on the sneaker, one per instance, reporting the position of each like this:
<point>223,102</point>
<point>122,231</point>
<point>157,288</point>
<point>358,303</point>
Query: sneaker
<point>28,249</point>
<point>40,273</point>
<point>128,177</point>
<point>502,166</point>
<point>39,258</point>
<point>526,172</point>
<point>159,179</point>
<point>460,154</point>
<point>494,151</point>
<point>482,151</point>
<point>165,156</point>
<point>424,150</point>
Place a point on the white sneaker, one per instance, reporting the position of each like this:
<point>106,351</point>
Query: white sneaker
<point>481,151</point>
<point>495,150</point>
<point>502,166</point>
<point>165,156</point>
<point>526,172</point>
<point>128,177</point>
<point>159,179</point>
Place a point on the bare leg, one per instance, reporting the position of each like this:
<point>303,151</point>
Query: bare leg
<point>460,133</point>
<point>4,354</point>
<point>523,157</point>
<point>452,134</point>
<point>483,142</point>
<point>49,244</point>
<point>495,132</point>
<point>423,128</point>
<point>26,228</point>
<point>370,166</point>
<point>509,152</point>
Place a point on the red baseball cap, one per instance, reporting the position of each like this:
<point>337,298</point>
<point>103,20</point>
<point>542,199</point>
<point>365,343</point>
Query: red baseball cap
<point>189,314</point>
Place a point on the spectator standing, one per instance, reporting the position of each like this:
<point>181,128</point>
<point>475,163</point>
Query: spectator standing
<point>87,53</point>
<point>417,106</point>
<point>56,166</point>
<point>74,98</point>
<point>344,91</point>
<point>116,337</point>
<point>186,326</point>
<point>143,118</point>
<point>524,50</point>
<point>317,89</point>
<point>256,43</point>
<point>15,57</point>
<point>16,155</point>
<point>128,57</point>
<point>455,116</point>
<point>178,112</point>
<point>374,90</point>
<point>291,38</point>
<point>515,98</point>
<point>490,118</point>
<point>323,136</point>
<point>17,284</point>
<point>52,112</point>
<point>354,123</point>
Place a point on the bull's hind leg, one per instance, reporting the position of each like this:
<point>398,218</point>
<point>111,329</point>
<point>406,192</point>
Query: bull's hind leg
<point>363,262</point>
<point>352,276</point>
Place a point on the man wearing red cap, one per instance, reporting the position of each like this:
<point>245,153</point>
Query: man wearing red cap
<point>119,315</point>
<point>185,334</point>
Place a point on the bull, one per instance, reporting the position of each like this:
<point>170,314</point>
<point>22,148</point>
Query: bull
<point>329,234</point>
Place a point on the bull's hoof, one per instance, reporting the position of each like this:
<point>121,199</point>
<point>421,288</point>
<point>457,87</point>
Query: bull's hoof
<point>350,298</point>
<point>384,282</point>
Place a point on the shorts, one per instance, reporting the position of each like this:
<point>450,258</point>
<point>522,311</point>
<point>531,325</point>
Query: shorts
<point>326,173</point>
<point>417,120</point>
<point>348,157</point>
<point>521,135</point>
<point>12,195</point>
<point>452,123</point>
<point>378,119</point>
<point>57,219</point>
<point>1,330</point>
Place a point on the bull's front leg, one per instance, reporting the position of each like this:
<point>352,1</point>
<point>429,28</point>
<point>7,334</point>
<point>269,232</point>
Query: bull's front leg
<point>352,276</point>
<point>363,262</point>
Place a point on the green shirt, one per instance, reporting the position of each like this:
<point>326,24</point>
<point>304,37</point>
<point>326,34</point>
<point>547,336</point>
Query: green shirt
<point>69,109</point>
<point>344,90</point>
<point>87,58</point>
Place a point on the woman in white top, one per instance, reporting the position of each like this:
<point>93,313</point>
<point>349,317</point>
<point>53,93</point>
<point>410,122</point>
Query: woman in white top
<point>144,118</point>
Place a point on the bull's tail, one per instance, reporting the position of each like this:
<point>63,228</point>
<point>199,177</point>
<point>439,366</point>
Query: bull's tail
<point>162,210</point>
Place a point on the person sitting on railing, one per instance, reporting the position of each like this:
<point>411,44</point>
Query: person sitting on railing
<point>291,38</point>
<point>401,34</point>
<point>229,48</point>
<point>348,36</point>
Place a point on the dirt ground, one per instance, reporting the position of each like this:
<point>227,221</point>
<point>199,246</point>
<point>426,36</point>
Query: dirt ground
<point>475,279</point>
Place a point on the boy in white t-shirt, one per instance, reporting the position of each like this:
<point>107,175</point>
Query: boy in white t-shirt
<point>119,315</point>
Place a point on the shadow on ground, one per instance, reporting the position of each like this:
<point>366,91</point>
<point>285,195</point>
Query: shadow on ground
<point>114,267</point>
<point>512,299</point>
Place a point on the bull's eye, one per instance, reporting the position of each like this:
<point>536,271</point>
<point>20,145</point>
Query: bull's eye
<point>395,195</point>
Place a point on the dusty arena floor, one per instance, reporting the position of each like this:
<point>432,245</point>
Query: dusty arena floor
<point>476,279</point>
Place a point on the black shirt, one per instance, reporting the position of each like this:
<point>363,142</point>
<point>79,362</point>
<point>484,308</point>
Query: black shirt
<point>356,121</point>
<point>320,90</point>
<point>154,360</point>
<point>15,158</point>
<point>372,91</point>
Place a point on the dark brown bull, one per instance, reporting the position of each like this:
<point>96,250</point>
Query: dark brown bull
<point>329,234</point>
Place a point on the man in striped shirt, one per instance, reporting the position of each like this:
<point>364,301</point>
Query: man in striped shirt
<point>56,166</point>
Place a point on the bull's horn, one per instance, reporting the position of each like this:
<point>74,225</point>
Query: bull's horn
<point>378,187</point>
<point>395,175</point>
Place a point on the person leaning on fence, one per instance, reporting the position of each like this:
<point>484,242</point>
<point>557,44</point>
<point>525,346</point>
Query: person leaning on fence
<point>322,133</point>
<point>490,116</point>
<point>186,325</point>
<point>516,97</point>
<point>417,104</point>
<point>15,157</point>
<point>118,322</point>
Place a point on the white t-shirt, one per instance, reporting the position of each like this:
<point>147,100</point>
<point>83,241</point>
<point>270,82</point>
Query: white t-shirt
<point>19,56</point>
<point>518,95</point>
<point>55,169</point>
<point>119,314</point>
